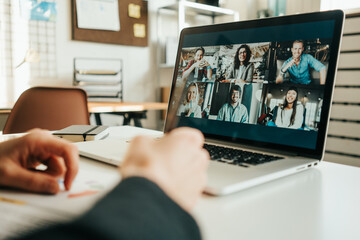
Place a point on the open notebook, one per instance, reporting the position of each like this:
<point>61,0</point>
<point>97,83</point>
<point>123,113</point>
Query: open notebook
<point>110,151</point>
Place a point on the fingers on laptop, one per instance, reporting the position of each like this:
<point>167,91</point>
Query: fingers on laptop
<point>177,163</point>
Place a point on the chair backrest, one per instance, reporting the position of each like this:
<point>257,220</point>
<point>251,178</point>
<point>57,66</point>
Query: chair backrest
<point>48,108</point>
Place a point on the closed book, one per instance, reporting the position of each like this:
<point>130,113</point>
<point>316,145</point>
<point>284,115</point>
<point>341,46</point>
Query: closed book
<point>80,133</point>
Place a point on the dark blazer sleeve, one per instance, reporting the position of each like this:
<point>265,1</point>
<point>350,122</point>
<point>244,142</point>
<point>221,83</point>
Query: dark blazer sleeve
<point>136,209</point>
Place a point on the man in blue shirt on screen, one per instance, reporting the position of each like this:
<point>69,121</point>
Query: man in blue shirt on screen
<point>298,66</point>
<point>234,111</point>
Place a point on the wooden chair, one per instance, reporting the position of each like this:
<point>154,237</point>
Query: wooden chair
<point>48,108</point>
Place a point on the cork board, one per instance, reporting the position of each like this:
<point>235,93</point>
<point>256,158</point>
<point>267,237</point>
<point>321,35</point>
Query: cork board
<point>126,35</point>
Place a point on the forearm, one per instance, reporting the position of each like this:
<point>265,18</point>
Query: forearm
<point>322,76</point>
<point>188,71</point>
<point>283,71</point>
<point>280,78</point>
<point>249,75</point>
<point>136,209</point>
<point>209,73</point>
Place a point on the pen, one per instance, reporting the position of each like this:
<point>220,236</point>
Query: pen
<point>2,199</point>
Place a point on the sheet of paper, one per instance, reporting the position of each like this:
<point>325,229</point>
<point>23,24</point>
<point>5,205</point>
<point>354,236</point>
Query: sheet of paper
<point>17,219</point>
<point>134,10</point>
<point>98,14</point>
<point>22,212</point>
<point>38,10</point>
<point>139,30</point>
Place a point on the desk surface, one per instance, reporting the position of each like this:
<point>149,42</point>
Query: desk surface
<point>107,107</point>
<point>5,108</point>
<point>102,107</point>
<point>318,204</point>
<point>321,203</point>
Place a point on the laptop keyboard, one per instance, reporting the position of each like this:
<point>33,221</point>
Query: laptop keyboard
<point>238,157</point>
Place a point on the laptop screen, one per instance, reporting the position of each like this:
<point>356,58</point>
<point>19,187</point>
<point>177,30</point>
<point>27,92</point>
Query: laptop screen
<point>263,82</point>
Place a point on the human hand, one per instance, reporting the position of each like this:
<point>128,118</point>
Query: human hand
<point>239,81</point>
<point>177,163</point>
<point>288,65</point>
<point>197,64</point>
<point>19,158</point>
<point>188,112</point>
<point>204,63</point>
<point>279,80</point>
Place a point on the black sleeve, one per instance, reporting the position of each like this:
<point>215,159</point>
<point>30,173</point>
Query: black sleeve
<point>136,209</point>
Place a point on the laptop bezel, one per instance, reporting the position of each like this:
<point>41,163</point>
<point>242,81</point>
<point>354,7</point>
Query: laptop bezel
<point>336,15</point>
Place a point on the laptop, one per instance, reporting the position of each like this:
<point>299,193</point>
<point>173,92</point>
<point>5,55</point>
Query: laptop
<point>237,96</point>
<point>260,91</point>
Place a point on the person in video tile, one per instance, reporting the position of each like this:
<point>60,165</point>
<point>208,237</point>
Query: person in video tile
<point>190,107</point>
<point>198,68</point>
<point>290,114</point>
<point>234,111</point>
<point>242,70</point>
<point>298,66</point>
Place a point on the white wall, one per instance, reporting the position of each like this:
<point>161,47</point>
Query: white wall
<point>303,6</point>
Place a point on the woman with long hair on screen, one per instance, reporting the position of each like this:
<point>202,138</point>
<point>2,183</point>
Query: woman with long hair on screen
<point>243,69</point>
<point>190,107</point>
<point>290,114</point>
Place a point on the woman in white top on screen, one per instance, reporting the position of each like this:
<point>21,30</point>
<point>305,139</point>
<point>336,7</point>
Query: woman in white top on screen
<point>290,114</point>
<point>190,107</point>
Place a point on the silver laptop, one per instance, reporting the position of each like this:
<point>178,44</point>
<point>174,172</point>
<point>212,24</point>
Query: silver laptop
<point>260,91</point>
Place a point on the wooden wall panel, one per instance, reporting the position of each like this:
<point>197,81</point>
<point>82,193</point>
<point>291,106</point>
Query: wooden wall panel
<point>351,95</point>
<point>350,43</point>
<point>343,146</point>
<point>349,60</point>
<point>345,129</point>
<point>352,25</point>
<point>349,112</point>
<point>348,78</point>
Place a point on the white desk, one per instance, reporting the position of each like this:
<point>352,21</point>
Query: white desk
<point>321,203</point>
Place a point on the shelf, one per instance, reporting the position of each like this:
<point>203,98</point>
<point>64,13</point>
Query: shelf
<point>100,78</point>
<point>96,72</point>
<point>202,9</point>
<point>164,65</point>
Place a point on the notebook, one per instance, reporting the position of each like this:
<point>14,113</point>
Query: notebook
<point>79,133</point>
<point>111,151</point>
